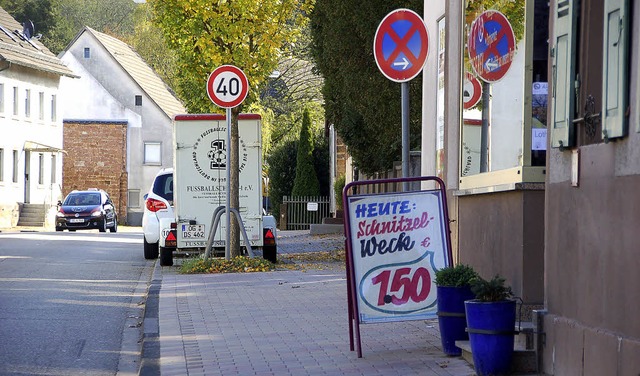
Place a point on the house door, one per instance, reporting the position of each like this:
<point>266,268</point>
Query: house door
<point>27,170</point>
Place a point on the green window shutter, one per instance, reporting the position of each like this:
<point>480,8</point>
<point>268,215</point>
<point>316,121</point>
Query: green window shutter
<point>615,80</point>
<point>564,73</point>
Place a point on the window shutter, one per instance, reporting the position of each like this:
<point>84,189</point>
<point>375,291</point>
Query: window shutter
<point>615,78</point>
<point>563,52</point>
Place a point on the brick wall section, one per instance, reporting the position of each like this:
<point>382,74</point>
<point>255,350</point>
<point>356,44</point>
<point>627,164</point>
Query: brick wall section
<point>97,158</point>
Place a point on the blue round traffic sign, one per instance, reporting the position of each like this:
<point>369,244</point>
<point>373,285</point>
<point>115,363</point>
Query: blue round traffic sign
<point>491,45</point>
<point>401,45</point>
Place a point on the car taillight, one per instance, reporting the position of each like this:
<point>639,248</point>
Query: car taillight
<point>269,239</point>
<point>154,205</point>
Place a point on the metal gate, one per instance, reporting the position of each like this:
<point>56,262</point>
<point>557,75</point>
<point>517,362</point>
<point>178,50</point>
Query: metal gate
<point>303,211</point>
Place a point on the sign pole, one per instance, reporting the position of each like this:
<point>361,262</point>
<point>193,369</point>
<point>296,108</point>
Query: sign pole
<point>404,87</point>
<point>227,250</point>
<point>484,135</point>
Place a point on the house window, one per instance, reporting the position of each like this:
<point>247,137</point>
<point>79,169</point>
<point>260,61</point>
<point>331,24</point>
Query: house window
<point>27,103</point>
<point>503,125</point>
<point>53,108</point>
<point>138,100</point>
<point>590,58</point>
<point>1,98</point>
<point>152,153</point>
<point>133,198</point>
<point>1,164</point>
<point>87,52</point>
<point>40,168</point>
<point>54,166</point>
<point>41,106</point>
<point>15,101</point>
<point>15,166</point>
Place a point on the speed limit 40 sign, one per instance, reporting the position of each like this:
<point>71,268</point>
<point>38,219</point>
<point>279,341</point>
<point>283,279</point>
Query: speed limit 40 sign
<point>227,86</point>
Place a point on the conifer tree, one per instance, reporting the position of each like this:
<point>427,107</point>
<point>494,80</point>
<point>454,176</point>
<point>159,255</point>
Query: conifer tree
<point>306,181</point>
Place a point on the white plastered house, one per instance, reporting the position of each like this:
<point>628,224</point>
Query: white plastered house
<point>116,84</point>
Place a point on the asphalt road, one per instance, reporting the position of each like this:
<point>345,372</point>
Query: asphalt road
<point>70,303</point>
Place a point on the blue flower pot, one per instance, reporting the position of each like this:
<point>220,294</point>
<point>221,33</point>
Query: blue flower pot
<point>451,317</point>
<point>491,334</point>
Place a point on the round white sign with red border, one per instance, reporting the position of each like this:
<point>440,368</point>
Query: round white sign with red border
<point>472,91</point>
<point>227,86</point>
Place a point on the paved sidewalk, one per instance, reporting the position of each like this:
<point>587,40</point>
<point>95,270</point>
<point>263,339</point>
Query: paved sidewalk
<point>279,323</point>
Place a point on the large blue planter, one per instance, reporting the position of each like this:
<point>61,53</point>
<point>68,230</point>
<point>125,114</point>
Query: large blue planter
<point>491,332</point>
<point>451,317</point>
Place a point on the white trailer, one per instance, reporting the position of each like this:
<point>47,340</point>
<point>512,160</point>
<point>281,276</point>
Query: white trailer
<point>200,181</point>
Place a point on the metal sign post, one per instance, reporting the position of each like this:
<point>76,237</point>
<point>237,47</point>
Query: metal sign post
<point>227,87</point>
<point>400,47</point>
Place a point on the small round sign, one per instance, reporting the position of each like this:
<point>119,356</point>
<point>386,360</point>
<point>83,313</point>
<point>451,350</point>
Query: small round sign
<point>491,45</point>
<point>401,45</point>
<point>227,86</point>
<point>472,91</point>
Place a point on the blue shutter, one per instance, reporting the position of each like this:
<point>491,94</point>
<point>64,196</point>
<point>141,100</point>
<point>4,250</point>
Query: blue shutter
<point>615,79</point>
<point>564,73</point>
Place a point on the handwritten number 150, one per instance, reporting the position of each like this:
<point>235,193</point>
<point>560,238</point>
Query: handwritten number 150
<point>401,280</point>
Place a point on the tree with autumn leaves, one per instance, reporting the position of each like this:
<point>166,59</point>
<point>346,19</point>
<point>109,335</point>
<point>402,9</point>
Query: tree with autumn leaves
<point>250,35</point>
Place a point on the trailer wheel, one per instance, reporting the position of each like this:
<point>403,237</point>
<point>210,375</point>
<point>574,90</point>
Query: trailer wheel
<point>166,256</point>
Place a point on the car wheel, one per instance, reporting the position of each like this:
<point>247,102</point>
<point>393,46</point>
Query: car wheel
<point>166,256</point>
<point>150,250</point>
<point>103,226</point>
<point>114,228</point>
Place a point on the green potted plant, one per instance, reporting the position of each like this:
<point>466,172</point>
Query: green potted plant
<point>453,284</point>
<point>491,319</point>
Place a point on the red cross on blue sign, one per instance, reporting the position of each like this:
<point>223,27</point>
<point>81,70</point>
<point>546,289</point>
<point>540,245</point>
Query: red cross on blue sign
<point>491,45</point>
<point>401,45</point>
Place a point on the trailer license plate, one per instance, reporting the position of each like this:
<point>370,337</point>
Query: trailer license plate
<point>192,231</point>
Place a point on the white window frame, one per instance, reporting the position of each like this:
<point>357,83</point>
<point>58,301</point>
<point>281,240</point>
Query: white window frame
<point>152,153</point>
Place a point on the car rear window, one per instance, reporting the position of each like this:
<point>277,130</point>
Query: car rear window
<point>163,186</point>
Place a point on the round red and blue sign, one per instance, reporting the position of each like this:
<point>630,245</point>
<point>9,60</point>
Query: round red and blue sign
<point>491,45</point>
<point>401,45</point>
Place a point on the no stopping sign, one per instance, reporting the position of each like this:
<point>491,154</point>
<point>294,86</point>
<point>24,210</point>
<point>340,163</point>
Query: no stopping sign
<point>227,86</point>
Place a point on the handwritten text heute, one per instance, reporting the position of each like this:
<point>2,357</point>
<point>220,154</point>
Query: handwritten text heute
<point>383,208</point>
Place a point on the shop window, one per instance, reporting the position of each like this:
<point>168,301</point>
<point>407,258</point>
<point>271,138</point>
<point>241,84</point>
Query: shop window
<point>503,125</point>
<point>590,57</point>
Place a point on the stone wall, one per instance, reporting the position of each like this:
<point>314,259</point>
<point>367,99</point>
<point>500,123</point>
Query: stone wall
<point>97,158</point>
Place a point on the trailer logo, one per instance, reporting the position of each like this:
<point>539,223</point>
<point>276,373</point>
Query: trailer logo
<point>217,155</point>
<point>210,153</point>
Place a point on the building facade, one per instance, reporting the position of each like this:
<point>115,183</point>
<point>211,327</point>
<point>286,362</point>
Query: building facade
<point>31,143</point>
<point>117,86</point>
<point>542,163</point>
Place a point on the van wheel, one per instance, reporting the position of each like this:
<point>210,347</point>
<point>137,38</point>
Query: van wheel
<point>166,256</point>
<point>150,250</point>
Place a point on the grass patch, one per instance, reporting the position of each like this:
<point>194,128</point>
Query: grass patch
<point>286,261</point>
<point>240,264</point>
